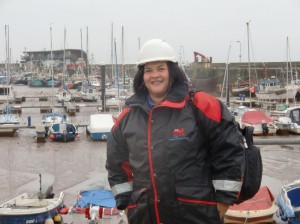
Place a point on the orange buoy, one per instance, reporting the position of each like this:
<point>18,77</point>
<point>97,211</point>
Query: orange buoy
<point>64,211</point>
<point>52,136</point>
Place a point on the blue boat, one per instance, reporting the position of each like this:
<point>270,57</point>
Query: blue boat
<point>23,209</point>
<point>63,132</point>
<point>288,202</point>
<point>36,83</point>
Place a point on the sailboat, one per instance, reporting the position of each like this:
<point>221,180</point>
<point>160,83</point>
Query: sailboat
<point>63,94</point>
<point>88,92</point>
<point>6,93</point>
<point>118,101</point>
<point>60,129</point>
<point>273,90</point>
<point>6,90</point>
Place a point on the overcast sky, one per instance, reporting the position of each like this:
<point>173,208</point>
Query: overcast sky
<point>210,27</point>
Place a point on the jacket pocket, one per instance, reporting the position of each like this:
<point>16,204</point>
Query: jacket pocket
<point>195,195</point>
<point>196,205</point>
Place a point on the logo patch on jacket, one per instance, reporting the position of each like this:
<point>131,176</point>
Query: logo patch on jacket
<point>178,134</point>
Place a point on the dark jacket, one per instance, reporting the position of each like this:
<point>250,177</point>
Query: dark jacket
<point>174,163</point>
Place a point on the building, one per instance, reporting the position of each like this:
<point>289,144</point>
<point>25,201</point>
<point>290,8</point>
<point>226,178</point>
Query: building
<point>42,59</point>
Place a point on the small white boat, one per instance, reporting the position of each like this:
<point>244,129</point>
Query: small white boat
<point>259,209</point>
<point>7,119</point>
<point>263,125</point>
<point>294,114</point>
<point>290,120</point>
<point>24,210</point>
<point>288,202</point>
<point>50,118</point>
<point>63,95</point>
<point>89,93</point>
<point>100,126</point>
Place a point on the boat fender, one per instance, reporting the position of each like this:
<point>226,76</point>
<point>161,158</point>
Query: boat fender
<point>49,221</point>
<point>51,137</point>
<point>57,219</point>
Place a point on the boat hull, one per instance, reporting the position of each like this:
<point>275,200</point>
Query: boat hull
<point>64,132</point>
<point>100,135</point>
<point>24,210</point>
<point>288,202</point>
<point>26,219</point>
<point>259,209</point>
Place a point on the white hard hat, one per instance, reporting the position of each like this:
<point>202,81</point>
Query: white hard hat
<point>156,50</point>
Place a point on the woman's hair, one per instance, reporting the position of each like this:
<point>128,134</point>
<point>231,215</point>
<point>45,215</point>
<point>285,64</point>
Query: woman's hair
<point>177,76</point>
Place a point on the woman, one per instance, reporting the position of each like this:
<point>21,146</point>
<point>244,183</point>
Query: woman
<point>167,160</point>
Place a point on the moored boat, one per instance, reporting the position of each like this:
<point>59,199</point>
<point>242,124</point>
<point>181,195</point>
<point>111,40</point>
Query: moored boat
<point>89,93</point>
<point>259,209</point>
<point>63,132</point>
<point>100,126</point>
<point>263,125</point>
<point>288,202</point>
<point>24,209</point>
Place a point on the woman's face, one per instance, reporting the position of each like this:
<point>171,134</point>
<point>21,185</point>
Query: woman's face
<point>156,78</point>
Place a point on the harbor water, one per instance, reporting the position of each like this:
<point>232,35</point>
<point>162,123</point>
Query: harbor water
<point>73,166</point>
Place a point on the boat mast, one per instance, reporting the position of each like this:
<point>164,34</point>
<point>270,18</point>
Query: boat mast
<point>51,67</point>
<point>249,70</point>
<point>117,75</point>
<point>123,69</point>
<point>112,52</point>
<point>64,62</point>
<point>87,52</point>
<point>81,65</point>
<point>287,70</point>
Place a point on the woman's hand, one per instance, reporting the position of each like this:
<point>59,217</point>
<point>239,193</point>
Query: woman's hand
<point>222,208</point>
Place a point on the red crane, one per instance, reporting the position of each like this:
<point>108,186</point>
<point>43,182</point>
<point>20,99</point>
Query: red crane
<point>203,57</point>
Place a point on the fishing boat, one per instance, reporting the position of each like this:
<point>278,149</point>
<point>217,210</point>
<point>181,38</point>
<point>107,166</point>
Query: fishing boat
<point>24,209</point>
<point>63,132</point>
<point>100,126</point>
<point>271,89</point>
<point>89,92</point>
<point>263,125</point>
<point>259,209</point>
<point>288,202</point>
